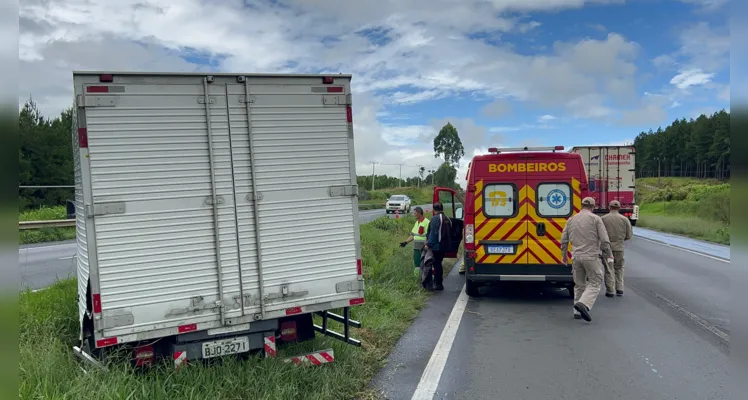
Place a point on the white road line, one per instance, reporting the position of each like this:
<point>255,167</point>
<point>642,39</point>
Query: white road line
<point>684,249</point>
<point>695,318</point>
<point>433,372</point>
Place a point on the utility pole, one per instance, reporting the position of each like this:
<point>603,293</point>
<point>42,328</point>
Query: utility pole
<point>373,163</point>
<point>419,175</point>
<point>401,175</point>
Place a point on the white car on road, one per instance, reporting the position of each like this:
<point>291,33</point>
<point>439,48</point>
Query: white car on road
<point>398,202</point>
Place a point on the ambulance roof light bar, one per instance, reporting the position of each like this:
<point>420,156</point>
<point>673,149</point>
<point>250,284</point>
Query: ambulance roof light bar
<point>511,149</point>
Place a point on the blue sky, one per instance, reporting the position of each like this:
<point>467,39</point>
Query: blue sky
<point>504,72</point>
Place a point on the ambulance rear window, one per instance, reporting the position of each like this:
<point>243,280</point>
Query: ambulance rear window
<point>554,200</point>
<point>499,200</point>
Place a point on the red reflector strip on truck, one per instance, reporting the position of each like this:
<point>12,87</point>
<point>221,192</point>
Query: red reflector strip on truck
<point>334,89</point>
<point>359,267</point>
<point>97,89</point>
<point>106,342</point>
<point>355,302</point>
<point>187,328</point>
<point>82,138</point>
<point>293,310</point>
<point>349,114</point>
<point>96,303</point>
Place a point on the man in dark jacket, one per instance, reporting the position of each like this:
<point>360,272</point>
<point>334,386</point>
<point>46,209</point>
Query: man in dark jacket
<point>438,240</point>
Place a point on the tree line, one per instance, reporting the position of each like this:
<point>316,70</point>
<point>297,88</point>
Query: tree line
<point>697,148</point>
<point>45,157</point>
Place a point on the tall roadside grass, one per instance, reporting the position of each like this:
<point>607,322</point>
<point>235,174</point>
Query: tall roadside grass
<point>48,369</point>
<point>685,206</point>
<point>28,236</point>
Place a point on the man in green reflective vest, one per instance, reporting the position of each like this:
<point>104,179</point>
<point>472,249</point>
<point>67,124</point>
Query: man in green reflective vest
<point>418,237</point>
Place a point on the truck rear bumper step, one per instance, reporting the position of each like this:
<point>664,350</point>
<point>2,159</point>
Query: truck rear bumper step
<point>522,278</point>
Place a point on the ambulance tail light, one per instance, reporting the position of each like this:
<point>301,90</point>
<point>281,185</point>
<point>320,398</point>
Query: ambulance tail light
<point>469,237</point>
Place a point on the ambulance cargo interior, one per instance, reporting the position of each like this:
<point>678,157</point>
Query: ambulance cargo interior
<point>213,206</point>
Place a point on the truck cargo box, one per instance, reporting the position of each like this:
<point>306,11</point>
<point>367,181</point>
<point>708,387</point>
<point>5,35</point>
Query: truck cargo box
<point>212,203</point>
<point>611,175</point>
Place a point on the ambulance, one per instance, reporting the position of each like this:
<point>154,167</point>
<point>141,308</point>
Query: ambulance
<point>516,205</point>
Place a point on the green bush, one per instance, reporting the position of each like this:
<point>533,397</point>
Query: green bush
<point>44,214</point>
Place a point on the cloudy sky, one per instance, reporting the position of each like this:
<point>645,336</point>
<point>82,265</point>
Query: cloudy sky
<point>504,72</point>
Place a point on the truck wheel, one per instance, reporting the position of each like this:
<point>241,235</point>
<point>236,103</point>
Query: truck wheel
<point>633,222</point>
<point>471,288</point>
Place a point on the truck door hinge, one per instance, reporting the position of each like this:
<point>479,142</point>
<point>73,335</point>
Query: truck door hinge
<point>117,318</point>
<point>343,191</point>
<point>197,306</point>
<point>286,293</point>
<point>349,286</point>
<point>209,200</point>
<point>93,210</point>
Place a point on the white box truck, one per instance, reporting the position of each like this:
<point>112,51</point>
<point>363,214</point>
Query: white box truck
<point>611,176</point>
<point>215,213</point>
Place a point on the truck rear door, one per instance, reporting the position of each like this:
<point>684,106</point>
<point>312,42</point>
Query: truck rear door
<point>209,198</point>
<point>501,210</point>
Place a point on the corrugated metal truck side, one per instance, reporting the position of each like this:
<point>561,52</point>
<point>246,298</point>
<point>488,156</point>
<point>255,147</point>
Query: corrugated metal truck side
<point>205,209</point>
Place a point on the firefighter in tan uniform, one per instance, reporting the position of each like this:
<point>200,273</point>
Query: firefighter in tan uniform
<point>587,234</point>
<point>619,230</point>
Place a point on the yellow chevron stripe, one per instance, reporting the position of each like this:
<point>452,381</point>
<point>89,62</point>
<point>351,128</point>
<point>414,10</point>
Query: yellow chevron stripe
<point>501,232</point>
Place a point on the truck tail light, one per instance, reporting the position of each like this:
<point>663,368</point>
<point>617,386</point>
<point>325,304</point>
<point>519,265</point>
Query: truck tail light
<point>288,331</point>
<point>144,356</point>
<point>469,237</point>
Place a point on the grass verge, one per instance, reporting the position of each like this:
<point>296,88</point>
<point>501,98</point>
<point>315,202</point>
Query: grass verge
<point>28,236</point>
<point>697,208</point>
<point>48,329</point>
<point>680,218</point>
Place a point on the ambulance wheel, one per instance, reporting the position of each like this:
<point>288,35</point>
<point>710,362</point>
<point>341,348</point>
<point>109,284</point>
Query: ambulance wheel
<point>471,288</point>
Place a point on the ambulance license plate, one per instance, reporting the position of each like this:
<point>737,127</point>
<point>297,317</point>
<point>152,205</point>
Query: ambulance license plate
<point>501,249</point>
<point>225,347</point>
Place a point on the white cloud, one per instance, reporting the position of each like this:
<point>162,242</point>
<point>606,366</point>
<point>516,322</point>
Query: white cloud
<point>649,112</point>
<point>692,77</point>
<point>411,60</point>
<point>707,5</point>
<point>497,108</point>
<point>546,118</point>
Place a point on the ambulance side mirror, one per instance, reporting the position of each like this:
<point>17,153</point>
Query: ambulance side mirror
<point>458,213</point>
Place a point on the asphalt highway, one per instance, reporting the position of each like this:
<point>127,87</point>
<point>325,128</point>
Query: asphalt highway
<point>666,338</point>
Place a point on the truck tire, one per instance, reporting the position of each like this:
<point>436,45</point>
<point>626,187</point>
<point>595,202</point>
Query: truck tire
<point>471,288</point>
<point>633,222</point>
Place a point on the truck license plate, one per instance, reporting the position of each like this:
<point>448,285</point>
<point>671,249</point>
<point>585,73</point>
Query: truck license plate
<point>501,249</point>
<point>225,347</point>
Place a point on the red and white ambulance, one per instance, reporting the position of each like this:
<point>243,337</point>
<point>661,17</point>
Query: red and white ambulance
<point>516,205</point>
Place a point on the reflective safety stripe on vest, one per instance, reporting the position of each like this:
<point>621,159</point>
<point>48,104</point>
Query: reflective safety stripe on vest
<point>419,230</point>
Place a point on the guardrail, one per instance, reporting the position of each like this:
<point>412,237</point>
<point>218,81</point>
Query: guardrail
<point>57,223</point>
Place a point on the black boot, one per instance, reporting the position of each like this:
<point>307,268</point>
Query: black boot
<point>584,311</point>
